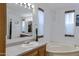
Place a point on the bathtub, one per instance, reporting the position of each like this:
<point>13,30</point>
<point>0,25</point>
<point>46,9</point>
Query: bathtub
<point>61,49</point>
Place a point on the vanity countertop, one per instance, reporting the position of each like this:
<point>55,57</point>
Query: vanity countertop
<point>18,49</point>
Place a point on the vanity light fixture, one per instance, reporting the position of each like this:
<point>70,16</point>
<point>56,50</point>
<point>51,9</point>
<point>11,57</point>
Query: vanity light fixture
<point>26,5</point>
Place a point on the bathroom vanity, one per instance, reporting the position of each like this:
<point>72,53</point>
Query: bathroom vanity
<point>39,51</point>
<point>34,48</point>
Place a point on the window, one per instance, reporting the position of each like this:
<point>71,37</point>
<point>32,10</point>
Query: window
<point>23,26</point>
<point>26,25</point>
<point>40,22</point>
<point>69,23</point>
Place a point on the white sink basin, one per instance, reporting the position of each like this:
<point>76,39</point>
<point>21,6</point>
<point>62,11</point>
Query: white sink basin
<point>30,44</point>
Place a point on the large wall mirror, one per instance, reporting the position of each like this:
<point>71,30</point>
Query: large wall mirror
<point>19,20</point>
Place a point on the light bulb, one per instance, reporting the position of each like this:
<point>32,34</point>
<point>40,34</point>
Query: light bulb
<point>29,4</point>
<point>32,6</point>
<point>25,6</point>
<point>20,4</point>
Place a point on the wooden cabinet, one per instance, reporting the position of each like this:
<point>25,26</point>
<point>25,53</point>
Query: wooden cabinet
<point>31,53</point>
<point>2,28</point>
<point>40,51</point>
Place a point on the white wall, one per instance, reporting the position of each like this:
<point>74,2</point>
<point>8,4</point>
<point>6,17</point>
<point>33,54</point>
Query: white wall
<point>55,23</point>
<point>59,27</point>
<point>49,16</point>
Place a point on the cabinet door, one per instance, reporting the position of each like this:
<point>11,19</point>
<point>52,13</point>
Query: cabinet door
<point>34,53</point>
<point>42,51</point>
<point>2,28</point>
<point>31,53</point>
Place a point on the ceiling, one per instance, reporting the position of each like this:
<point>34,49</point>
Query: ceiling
<point>16,9</point>
<point>58,5</point>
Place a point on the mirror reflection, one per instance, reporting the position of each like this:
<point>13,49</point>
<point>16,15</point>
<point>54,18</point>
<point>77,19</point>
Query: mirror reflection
<point>26,26</point>
<point>19,20</point>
